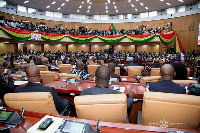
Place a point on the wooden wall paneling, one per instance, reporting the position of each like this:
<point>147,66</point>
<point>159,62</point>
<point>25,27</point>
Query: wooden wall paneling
<point>4,48</point>
<point>34,47</point>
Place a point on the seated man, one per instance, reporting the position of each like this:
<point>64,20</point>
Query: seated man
<point>112,70</point>
<point>22,68</point>
<point>156,64</point>
<point>79,71</point>
<point>33,85</point>
<point>45,62</point>
<point>102,75</point>
<point>166,85</point>
<point>6,86</point>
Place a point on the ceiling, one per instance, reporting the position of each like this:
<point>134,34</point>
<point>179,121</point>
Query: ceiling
<point>102,7</point>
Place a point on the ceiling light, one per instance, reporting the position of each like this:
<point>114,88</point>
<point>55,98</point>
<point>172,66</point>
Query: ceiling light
<point>88,10</point>
<point>53,2</point>
<point>63,4</point>
<point>26,1</point>
<point>137,0</point>
<point>115,7</point>
<point>105,3</point>
<point>107,11</point>
<point>146,8</point>
<point>88,1</point>
<point>141,4</point>
<point>80,6</point>
<point>168,4</point>
<point>48,6</point>
<point>108,1</point>
<point>77,10</point>
<point>181,0</point>
<point>67,0</point>
<point>89,7</point>
<point>113,2</point>
<point>116,10</point>
<point>58,8</point>
<point>129,0</point>
<point>135,9</point>
<point>132,5</point>
<point>106,7</point>
<point>161,0</point>
<point>82,2</point>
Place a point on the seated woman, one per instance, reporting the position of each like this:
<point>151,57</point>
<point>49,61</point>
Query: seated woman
<point>181,71</point>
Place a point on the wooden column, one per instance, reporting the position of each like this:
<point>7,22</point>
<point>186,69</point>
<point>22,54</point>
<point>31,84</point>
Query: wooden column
<point>15,48</point>
<point>42,48</point>
<point>90,48</point>
<point>66,47</point>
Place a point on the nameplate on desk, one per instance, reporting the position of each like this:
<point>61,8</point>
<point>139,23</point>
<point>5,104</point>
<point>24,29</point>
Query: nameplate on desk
<point>120,89</point>
<point>20,82</point>
<point>56,122</point>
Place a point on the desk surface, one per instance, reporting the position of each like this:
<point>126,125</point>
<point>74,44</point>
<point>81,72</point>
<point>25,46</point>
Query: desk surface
<point>77,88</point>
<point>105,127</point>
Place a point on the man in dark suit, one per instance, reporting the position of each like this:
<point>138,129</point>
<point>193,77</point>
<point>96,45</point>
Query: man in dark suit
<point>33,85</point>
<point>112,70</point>
<point>102,75</point>
<point>156,64</point>
<point>166,85</point>
<point>6,82</point>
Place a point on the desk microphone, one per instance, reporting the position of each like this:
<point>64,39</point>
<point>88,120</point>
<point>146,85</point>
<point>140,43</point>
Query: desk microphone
<point>22,112</point>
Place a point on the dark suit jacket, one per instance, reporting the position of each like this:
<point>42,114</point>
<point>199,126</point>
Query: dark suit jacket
<point>6,87</point>
<point>37,87</point>
<point>113,75</point>
<point>167,86</point>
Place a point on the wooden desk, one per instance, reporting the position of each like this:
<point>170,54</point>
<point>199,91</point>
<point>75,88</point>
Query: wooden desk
<point>106,127</point>
<point>77,88</point>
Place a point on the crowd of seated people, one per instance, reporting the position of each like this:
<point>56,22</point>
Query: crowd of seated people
<point>82,31</point>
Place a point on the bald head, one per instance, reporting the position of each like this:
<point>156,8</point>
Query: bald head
<point>112,67</point>
<point>44,61</point>
<point>33,73</point>
<point>167,72</point>
<point>102,76</point>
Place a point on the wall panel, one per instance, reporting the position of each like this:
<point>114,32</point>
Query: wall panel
<point>4,47</point>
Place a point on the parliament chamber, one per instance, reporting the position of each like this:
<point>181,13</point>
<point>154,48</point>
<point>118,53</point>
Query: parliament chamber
<point>135,67</point>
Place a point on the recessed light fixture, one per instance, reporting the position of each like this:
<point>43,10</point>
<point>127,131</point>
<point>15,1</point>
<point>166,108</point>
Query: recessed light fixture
<point>146,8</point>
<point>83,2</point>
<point>88,10</point>
<point>89,7</point>
<point>63,4</point>
<point>48,6</point>
<point>113,2</point>
<point>77,10</point>
<point>26,1</point>
<point>129,0</point>
<point>132,5</point>
<point>141,4</point>
<point>115,7</point>
<point>137,0</point>
<point>53,2</point>
<point>106,3</point>
<point>90,3</point>
<point>106,11</point>
<point>161,0</point>
<point>181,0</point>
<point>168,4</point>
<point>106,7</point>
<point>136,9</point>
<point>116,10</point>
<point>58,8</point>
<point>80,6</point>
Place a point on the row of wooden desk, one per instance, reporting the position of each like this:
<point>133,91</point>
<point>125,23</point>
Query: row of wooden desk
<point>32,118</point>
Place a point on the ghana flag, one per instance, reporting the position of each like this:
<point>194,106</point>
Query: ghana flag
<point>112,27</point>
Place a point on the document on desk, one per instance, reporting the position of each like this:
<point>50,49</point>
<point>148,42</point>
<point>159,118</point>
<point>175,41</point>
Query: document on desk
<point>120,89</point>
<point>20,82</point>
<point>51,129</point>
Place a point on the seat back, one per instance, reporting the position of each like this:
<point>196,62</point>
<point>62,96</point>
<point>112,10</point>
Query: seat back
<point>41,102</point>
<point>106,107</point>
<point>67,76</point>
<point>185,82</point>
<point>150,79</point>
<point>171,110</point>
<point>92,69</point>
<point>65,68</point>
<point>43,68</point>
<point>49,72</point>
<point>155,72</point>
<point>134,70</point>
<point>47,78</point>
<point>117,70</point>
